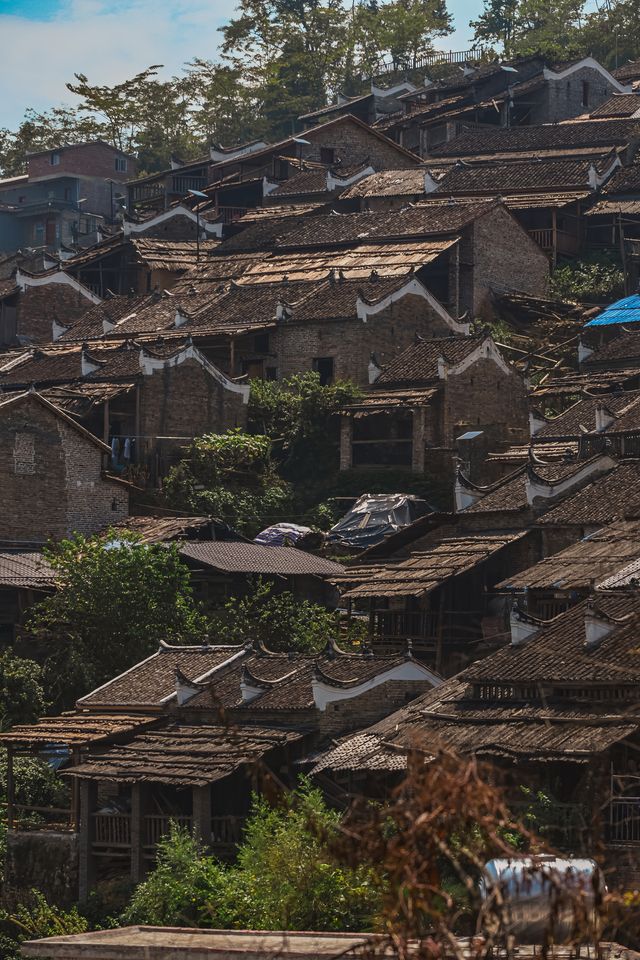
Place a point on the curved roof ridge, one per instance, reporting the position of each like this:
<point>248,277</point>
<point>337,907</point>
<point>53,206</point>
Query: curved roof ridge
<point>249,677</point>
<point>490,487</point>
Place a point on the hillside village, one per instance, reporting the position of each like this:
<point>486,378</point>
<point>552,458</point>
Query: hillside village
<point>470,514</point>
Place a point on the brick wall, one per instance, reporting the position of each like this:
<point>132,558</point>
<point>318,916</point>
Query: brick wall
<point>564,98</point>
<point>351,342</point>
<point>483,397</point>
<point>505,257</point>
<point>369,707</point>
<point>175,228</point>
<point>38,307</point>
<point>90,159</point>
<point>183,400</point>
<point>353,144</point>
<point>51,476</point>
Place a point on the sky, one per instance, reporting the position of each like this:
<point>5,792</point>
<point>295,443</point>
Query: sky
<point>44,42</point>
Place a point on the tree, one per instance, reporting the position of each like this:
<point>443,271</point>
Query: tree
<point>528,27</point>
<point>44,131</point>
<point>21,693</point>
<point>281,622</point>
<point>285,877</point>
<point>231,476</point>
<point>117,598</point>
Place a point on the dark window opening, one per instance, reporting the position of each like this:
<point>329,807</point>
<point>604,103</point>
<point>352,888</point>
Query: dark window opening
<point>324,366</point>
<point>271,373</point>
<point>261,343</point>
<point>327,155</point>
<point>585,93</point>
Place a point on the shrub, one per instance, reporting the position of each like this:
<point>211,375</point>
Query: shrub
<point>596,281</point>
<point>33,921</point>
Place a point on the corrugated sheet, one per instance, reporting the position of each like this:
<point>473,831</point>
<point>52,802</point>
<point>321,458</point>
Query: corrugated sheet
<point>622,311</point>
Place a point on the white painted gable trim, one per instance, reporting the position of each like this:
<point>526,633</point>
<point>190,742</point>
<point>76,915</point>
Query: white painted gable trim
<point>540,490</point>
<point>413,287</point>
<point>23,281</point>
<point>214,229</point>
<point>333,183</point>
<point>406,86</point>
<point>200,679</point>
<point>586,62</point>
<point>150,365</point>
<point>324,693</point>
<point>486,350</point>
<point>57,330</point>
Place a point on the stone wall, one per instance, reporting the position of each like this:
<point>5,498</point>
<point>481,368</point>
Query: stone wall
<point>52,476</point>
<point>563,99</point>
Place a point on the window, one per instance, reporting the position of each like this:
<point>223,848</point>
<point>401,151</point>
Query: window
<point>271,373</point>
<point>261,343</point>
<point>585,93</point>
<point>327,155</point>
<point>54,159</point>
<point>324,366</point>
<point>121,164</point>
<point>67,194</point>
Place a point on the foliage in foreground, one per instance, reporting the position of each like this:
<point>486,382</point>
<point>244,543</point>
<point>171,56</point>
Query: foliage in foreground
<point>22,697</point>
<point>281,622</point>
<point>117,599</point>
<point>34,920</point>
<point>285,877</point>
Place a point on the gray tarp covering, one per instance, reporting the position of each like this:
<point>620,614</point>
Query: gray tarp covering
<point>375,516</point>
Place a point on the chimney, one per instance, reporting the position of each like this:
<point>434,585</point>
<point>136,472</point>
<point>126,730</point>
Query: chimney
<point>604,418</point>
<point>597,626</point>
<point>523,627</point>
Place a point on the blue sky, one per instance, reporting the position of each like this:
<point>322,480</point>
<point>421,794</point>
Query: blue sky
<point>45,41</point>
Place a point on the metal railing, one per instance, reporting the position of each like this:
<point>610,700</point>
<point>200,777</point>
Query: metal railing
<point>437,57</point>
<point>623,821</point>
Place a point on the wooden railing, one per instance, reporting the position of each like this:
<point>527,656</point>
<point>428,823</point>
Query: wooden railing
<point>158,825</point>
<point>112,829</point>
<point>226,831</point>
<point>416,625</point>
<point>544,238</point>
<point>182,184</point>
<point>41,818</point>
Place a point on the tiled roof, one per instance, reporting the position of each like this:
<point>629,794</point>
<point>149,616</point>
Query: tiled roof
<point>619,105</point>
<point>164,529</point>
<point>27,570</point>
<point>388,183</point>
<point>628,71</point>
<point>423,571</point>
<point>255,558</point>
<point>586,562</point>
<point>514,177</point>
<point>419,362</point>
<point>613,496</point>
<point>110,311</point>
<point>581,416</point>
<point>585,133</point>
<point>74,730</point>
<point>510,494</point>
<point>152,681</point>
<point>305,182</point>
<point>182,755</point>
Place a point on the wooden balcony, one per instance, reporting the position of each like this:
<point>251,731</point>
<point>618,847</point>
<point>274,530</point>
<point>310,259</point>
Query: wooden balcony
<point>393,628</point>
<point>112,831</point>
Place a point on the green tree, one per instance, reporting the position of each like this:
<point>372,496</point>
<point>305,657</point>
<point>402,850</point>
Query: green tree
<point>117,598</point>
<point>44,131</point>
<point>231,476</point>
<point>34,920</point>
<point>285,877</point>
<point>281,622</point>
<point>527,27</point>
<point>21,692</point>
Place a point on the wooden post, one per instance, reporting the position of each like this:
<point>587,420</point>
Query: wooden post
<point>137,833</point>
<point>88,794</point>
<point>138,445</point>
<point>232,357</point>
<point>623,253</point>
<point>554,241</point>
<point>11,795</point>
<point>201,800</point>
<point>105,423</point>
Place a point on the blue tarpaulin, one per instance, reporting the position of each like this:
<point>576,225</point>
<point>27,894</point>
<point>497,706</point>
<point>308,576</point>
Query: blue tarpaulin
<point>624,311</point>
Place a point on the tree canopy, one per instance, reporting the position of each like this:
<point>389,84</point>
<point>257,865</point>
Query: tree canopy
<point>117,598</point>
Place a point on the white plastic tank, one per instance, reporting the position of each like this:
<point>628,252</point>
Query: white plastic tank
<point>546,899</point>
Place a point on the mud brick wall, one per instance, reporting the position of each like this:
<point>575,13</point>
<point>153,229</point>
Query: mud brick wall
<point>38,307</point>
<point>52,477</point>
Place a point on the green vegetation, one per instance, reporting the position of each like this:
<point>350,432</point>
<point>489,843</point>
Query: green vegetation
<point>33,920</point>
<point>599,280</point>
<point>117,599</point>
<point>22,697</point>
<point>281,622</point>
<point>285,877</point>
